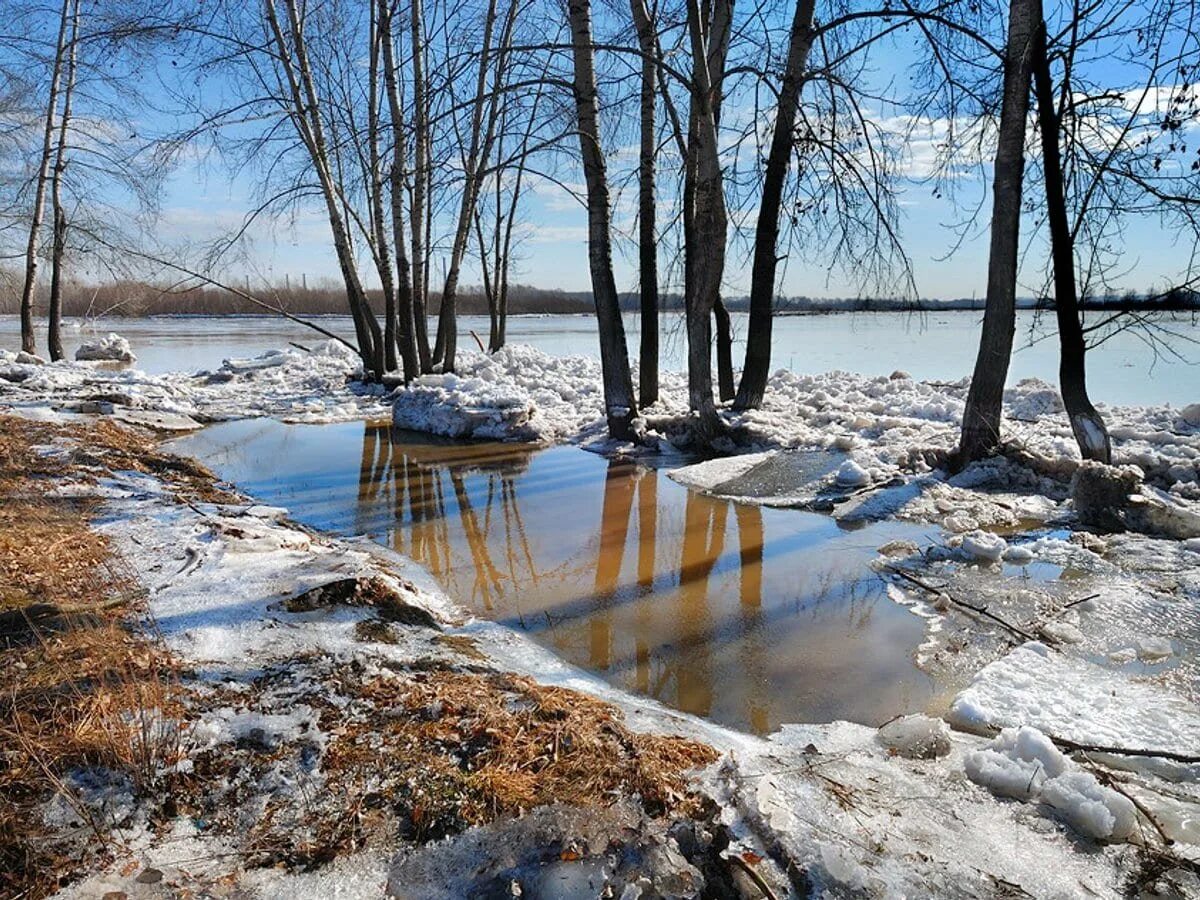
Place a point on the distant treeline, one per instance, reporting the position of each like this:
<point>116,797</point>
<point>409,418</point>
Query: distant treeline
<point>141,299</point>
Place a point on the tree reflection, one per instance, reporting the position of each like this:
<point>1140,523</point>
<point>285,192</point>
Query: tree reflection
<point>457,510</point>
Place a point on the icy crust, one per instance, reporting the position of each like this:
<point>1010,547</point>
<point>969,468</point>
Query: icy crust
<point>1072,698</point>
<point>288,384</point>
<point>864,821</point>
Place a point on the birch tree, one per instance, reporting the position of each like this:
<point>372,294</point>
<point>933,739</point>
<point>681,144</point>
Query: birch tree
<point>29,287</point>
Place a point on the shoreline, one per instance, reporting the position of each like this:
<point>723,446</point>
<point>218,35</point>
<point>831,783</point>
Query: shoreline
<point>798,802</point>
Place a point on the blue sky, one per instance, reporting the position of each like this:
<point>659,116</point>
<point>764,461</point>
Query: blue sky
<point>203,202</point>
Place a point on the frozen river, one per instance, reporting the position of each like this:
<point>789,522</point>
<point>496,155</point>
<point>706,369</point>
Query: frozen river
<point>931,346</point>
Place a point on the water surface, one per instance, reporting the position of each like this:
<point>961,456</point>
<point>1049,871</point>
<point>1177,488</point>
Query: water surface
<point>933,346</point>
<point>751,617</point>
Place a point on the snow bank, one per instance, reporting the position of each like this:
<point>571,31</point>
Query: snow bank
<point>112,348</point>
<point>290,384</point>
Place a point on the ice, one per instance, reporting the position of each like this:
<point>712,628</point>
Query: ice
<point>297,386</point>
<point>112,348</point>
<point>1018,556</point>
<point>268,360</point>
<point>851,474</point>
<point>1025,765</point>
<point>916,737</point>
<point>1073,698</point>
<point>1090,808</point>
<point>984,545</point>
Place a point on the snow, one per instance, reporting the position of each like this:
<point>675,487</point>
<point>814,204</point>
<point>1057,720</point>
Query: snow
<point>291,385</point>
<point>111,348</point>
<point>984,545</point>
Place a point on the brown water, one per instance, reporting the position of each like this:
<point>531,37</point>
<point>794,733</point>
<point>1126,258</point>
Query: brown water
<point>749,616</point>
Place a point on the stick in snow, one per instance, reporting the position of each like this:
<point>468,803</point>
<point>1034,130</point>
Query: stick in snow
<point>979,610</point>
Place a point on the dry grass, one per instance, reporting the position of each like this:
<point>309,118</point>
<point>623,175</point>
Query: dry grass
<point>453,749</point>
<point>77,689</point>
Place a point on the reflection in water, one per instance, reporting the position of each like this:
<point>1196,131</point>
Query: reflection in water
<point>750,616</point>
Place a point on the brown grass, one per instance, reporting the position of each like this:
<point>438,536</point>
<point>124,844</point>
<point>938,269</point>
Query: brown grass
<point>465,748</point>
<point>80,690</point>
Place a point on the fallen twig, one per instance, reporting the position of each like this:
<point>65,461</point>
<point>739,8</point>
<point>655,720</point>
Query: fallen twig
<point>1080,600</point>
<point>753,876</point>
<point>1110,780</point>
<point>979,610</point>
<point>1076,747</point>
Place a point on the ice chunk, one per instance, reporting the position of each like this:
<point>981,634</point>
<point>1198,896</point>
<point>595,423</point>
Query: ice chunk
<point>1076,699</point>
<point>268,360</point>
<point>1089,807</point>
<point>1018,556</point>
<point>1154,649</point>
<point>1016,763</point>
<point>916,737</point>
<point>112,347</point>
<point>851,474</point>
<point>984,545</point>
<point>1062,633</point>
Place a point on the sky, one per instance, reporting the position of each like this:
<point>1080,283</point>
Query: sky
<point>202,201</point>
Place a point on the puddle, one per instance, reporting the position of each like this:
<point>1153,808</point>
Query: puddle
<point>749,616</point>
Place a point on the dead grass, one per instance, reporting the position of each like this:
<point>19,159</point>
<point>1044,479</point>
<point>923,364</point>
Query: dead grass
<point>78,690</point>
<point>451,749</point>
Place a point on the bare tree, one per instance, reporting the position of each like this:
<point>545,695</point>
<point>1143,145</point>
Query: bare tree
<point>981,418</point>
<point>708,31</point>
<point>29,288</point>
<point>408,334</point>
<point>1086,424</point>
<point>619,405</point>
<point>54,331</point>
<point>479,142</point>
<point>298,87</point>
<point>766,236</point>
<point>647,230</point>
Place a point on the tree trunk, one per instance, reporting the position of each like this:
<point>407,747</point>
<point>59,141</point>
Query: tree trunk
<point>1087,424</point>
<point>706,248</point>
<point>647,237</point>
<point>479,149</point>
<point>379,230</point>
<point>766,232</point>
<point>406,326</point>
<point>307,116</point>
<point>619,405</point>
<point>29,289</point>
<point>419,215</point>
<point>725,388</point>
<point>981,418</point>
<point>54,326</point>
